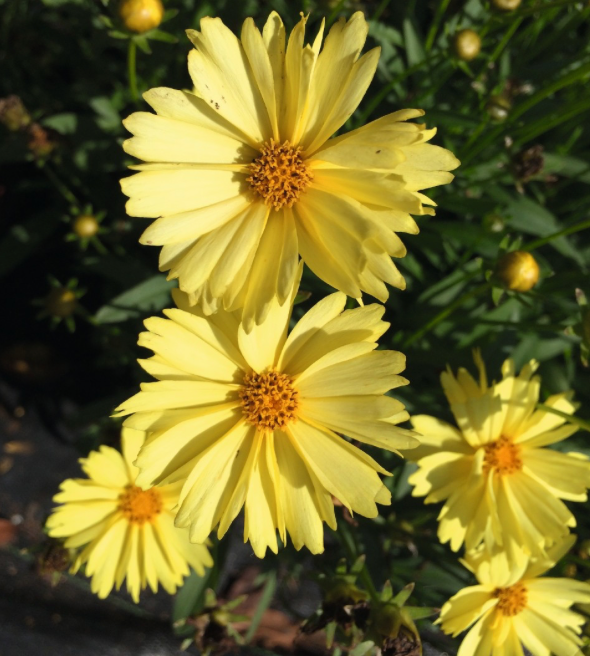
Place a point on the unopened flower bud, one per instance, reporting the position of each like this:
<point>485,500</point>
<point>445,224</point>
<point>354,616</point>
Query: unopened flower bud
<point>506,5</point>
<point>467,44</point>
<point>86,226</point>
<point>518,271</point>
<point>61,302</point>
<point>141,15</point>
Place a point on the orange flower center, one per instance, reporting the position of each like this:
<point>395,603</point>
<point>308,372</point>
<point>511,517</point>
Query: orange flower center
<point>140,506</point>
<point>503,456</point>
<point>512,600</point>
<point>279,174</point>
<point>269,400</point>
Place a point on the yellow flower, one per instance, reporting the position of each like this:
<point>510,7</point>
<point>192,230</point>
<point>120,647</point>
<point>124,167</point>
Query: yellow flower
<point>252,419</point>
<point>498,483</point>
<point>127,531</point>
<point>245,178</point>
<point>514,607</point>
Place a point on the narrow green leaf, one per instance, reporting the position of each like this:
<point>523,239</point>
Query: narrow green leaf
<point>265,599</point>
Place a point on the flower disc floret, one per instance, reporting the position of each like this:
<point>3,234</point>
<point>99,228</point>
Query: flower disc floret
<point>140,506</point>
<point>512,600</point>
<point>269,400</point>
<point>279,174</point>
<point>502,456</point>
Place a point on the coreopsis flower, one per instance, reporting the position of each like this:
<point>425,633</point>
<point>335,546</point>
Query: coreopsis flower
<point>253,419</point>
<point>512,607</point>
<point>499,484</point>
<point>124,531</point>
<point>244,177</point>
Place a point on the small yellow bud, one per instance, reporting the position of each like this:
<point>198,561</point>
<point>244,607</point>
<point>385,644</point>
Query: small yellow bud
<point>86,226</point>
<point>518,271</point>
<point>141,15</point>
<point>506,5</point>
<point>61,302</point>
<point>467,44</point>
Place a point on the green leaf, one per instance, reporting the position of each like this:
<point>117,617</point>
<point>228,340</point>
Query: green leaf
<point>108,118</point>
<point>362,648</point>
<point>151,295</point>
<point>142,43</point>
<point>413,43</point>
<point>263,604</point>
<point>65,123</point>
<point>160,35</point>
<point>528,216</point>
<point>189,599</point>
<point>403,595</point>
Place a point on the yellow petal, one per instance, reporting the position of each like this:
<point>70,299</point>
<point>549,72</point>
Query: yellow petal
<point>436,435</point>
<point>186,350</point>
<point>160,139</point>
<point>262,344</point>
<point>189,108</point>
<point>200,501</point>
<point>362,324</point>
<point>223,77</point>
<point>262,70</point>
<point>160,193</point>
<point>297,498</point>
<point>189,226</point>
<point>566,475</point>
<point>466,607</point>
<point>273,268</point>
<point>361,418</point>
<point>370,373</point>
<point>341,49</point>
<point>336,462</point>
<point>309,325</point>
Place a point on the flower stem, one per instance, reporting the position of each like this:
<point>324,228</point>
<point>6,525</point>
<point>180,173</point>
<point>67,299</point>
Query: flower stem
<point>60,185</point>
<point>572,419</point>
<point>583,225</point>
<point>132,69</point>
<point>443,314</point>
<point>350,547</point>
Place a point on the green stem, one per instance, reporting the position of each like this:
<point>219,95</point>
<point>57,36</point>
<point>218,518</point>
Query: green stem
<point>132,69</point>
<point>443,314</point>
<point>527,11</point>
<point>378,99</point>
<point>560,233</point>
<point>519,110</point>
<point>500,47</point>
<point>582,423</point>
<point>440,11</point>
<point>350,547</point>
<point>60,186</point>
<point>380,9</point>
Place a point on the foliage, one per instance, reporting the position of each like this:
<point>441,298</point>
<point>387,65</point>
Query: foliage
<point>514,115</point>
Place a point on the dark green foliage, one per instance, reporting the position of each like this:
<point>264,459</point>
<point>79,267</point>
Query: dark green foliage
<point>516,116</point>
